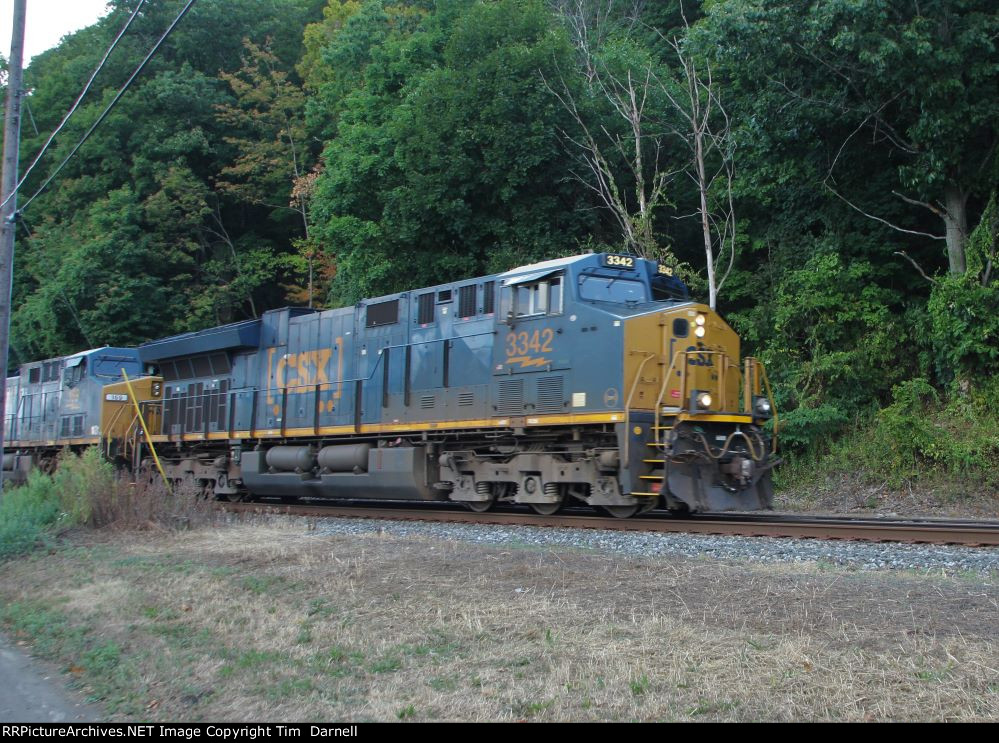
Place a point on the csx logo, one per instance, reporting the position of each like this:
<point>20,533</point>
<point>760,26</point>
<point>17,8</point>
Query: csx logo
<point>701,359</point>
<point>305,369</point>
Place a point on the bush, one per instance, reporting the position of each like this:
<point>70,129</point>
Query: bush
<point>85,490</point>
<point>964,310</point>
<point>48,502</point>
<point>964,321</point>
<point>837,347</point>
<point>918,437</point>
<point>26,513</point>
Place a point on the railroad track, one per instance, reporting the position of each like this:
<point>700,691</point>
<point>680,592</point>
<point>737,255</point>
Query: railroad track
<point>913,531</point>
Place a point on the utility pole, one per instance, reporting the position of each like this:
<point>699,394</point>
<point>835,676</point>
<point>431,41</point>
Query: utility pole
<point>11,142</point>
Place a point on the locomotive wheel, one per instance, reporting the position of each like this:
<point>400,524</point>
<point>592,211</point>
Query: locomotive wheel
<point>480,506</point>
<point>550,509</point>
<point>621,512</point>
<point>546,509</point>
<point>648,505</point>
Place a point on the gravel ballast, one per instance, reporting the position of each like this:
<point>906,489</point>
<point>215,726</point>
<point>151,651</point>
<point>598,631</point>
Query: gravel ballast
<point>935,559</point>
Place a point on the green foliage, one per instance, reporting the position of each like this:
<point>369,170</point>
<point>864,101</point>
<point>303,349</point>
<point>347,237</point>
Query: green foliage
<point>964,321</point>
<point>918,437</point>
<point>47,502</point>
<point>26,513</point>
<point>139,229</point>
<point>447,158</point>
<point>835,347</point>
<point>964,310</point>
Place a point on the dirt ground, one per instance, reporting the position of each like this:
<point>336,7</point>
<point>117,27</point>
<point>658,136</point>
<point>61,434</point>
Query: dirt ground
<point>272,622</point>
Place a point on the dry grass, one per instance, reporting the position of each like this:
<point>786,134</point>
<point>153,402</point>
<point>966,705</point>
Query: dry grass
<point>853,491</point>
<point>271,622</point>
<point>134,503</point>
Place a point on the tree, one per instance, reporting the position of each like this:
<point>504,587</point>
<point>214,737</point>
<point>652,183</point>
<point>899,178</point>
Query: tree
<point>144,185</point>
<point>910,83</point>
<point>446,162</point>
<point>706,131</point>
<point>621,76</point>
<point>266,125</point>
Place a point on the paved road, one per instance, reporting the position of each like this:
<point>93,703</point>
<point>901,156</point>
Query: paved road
<point>31,692</point>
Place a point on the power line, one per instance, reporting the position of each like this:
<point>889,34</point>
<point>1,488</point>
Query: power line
<point>111,105</point>
<point>76,104</point>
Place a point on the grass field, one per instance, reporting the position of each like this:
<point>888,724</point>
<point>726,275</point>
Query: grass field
<point>272,622</point>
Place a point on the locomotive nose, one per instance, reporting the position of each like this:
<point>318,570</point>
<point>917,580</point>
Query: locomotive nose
<point>682,359</point>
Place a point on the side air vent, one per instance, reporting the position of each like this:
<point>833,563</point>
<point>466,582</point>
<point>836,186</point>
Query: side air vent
<point>466,398</point>
<point>510,400</point>
<point>427,402</point>
<point>550,396</point>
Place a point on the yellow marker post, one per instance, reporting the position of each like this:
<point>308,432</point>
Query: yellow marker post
<point>142,422</point>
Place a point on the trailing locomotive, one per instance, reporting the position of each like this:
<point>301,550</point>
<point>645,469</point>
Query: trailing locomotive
<point>592,379</point>
<point>72,401</point>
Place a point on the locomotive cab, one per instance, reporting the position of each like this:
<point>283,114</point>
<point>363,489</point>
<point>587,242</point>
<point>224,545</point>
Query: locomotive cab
<point>615,339</point>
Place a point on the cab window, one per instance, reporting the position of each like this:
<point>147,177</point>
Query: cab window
<point>612,289</point>
<point>74,374</point>
<point>534,298</point>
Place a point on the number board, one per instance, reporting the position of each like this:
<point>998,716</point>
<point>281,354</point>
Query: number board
<point>665,270</point>
<point>619,261</point>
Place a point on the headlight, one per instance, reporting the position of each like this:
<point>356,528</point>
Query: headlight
<point>700,320</point>
<point>704,400</point>
<point>762,407</point>
<point>699,331</point>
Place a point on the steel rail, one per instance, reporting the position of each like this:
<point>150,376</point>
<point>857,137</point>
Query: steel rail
<point>962,532</point>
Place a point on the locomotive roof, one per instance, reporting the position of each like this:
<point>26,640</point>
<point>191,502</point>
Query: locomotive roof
<point>551,265</point>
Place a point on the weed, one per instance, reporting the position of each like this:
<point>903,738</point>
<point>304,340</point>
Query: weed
<point>406,712</point>
<point>260,584</point>
<point>443,683</point>
<point>639,686</point>
<point>321,608</point>
<point>286,688</point>
<point>388,664</point>
<point>529,709</point>
<point>707,708</point>
<point>304,634</point>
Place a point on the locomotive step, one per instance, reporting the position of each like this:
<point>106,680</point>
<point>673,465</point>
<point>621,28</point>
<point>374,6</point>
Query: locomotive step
<point>654,495</point>
<point>654,461</point>
<point>652,477</point>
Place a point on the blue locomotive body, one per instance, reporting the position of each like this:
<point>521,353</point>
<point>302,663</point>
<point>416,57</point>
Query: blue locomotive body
<point>592,378</point>
<point>56,403</point>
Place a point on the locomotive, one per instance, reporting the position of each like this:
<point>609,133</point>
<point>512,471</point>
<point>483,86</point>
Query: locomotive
<point>592,379</point>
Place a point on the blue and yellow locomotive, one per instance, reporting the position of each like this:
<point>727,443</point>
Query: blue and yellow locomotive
<point>592,379</point>
<point>586,380</point>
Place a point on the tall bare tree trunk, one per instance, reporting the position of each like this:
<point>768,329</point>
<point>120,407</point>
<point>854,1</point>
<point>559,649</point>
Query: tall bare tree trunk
<point>956,221</point>
<point>702,187</point>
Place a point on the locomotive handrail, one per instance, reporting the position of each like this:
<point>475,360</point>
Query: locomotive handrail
<point>665,385</point>
<point>773,403</point>
<point>627,405</point>
<point>110,425</point>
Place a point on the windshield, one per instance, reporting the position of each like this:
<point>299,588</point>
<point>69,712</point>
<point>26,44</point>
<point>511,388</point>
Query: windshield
<point>669,289</point>
<point>612,289</point>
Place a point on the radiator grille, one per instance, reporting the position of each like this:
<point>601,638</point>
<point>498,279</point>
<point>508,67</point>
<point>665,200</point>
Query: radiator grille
<point>510,400</point>
<point>466,398</point>
<point>427,402</point>
<point>550,397</point>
